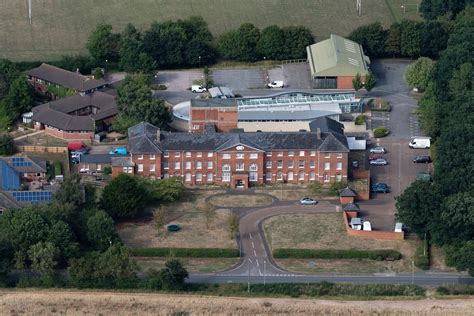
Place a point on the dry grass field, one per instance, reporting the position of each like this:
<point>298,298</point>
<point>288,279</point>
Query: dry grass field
<point>194,232</point>
<point>48,302</point>
<point>202,265</point>
<point>61,27</point>
<point>241,200</point>
<point>326,231</point>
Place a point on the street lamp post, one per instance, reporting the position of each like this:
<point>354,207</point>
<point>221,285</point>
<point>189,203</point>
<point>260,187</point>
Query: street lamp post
<point>412,272</point>
<point>264,271</point>
<point>248,279</point>
<point>199,61</point>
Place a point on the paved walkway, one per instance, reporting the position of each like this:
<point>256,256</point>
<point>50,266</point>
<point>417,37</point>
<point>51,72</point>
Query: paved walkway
<point>28,135</point>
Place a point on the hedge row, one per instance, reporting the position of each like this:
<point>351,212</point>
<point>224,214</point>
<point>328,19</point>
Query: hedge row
<point>456,289</point>
<point>337,254</point>
<point>323,289</point>
<point>185,252</point>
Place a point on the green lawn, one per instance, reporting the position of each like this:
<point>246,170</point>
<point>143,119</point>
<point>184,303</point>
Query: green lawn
<point>61,27</point>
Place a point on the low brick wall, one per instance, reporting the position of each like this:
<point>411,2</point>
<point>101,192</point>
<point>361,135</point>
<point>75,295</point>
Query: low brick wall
<point>362,174</point>
<point>370,234</point>
<point>41,149</point>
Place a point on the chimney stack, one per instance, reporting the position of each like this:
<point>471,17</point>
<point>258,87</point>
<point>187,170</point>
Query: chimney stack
<point>318,133</point>
<point>158,134</point>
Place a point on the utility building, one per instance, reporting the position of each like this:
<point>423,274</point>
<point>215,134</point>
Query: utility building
<point>335,62</point>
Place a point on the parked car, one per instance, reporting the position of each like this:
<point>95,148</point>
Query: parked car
<point>276,84</point>
<point>422,159</point>
<point>77,147</point>
<point>197,88</point>
<point>308,201</point>
<point>377,150</point>
<point>375,156</point>
<point>379,188</point>
<point>119,151</point>
<point>423,176</point>
<point>379,162</point>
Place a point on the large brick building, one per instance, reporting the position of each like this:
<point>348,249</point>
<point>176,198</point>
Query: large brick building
<point>335,62</point>
<point>55,82</point>
<point>236,159</point>
<point>76,117</point>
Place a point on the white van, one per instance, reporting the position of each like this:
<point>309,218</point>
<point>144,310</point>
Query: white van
<point>367,226</point>
<point>420,142</point>
<point>197,88</point>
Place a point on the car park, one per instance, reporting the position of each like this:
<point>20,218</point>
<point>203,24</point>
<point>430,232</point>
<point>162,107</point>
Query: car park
<point>375,156</point>
<point>422,159</point>
<point>276,84</point>
<point>378,162</point>
<point>379,188</point>
<point>308,201</point>
<point>377,150</point>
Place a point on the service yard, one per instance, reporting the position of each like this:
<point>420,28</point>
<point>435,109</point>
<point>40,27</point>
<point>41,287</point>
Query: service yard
<point>326,231</point>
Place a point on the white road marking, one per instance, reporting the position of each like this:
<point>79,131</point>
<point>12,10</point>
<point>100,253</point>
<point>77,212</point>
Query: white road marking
<point>258,265</point>
<point>250,235</point>
<point>254,252</point>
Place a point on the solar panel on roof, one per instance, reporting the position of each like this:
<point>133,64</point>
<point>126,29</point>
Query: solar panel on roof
<point>20,162</point>
<point>32,196</point>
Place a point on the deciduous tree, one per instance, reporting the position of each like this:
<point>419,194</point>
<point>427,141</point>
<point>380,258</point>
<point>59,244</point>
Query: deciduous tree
<point>101,230</point>
<point>103,44</point>
<point>419,73</point>
<point>173,275</point>
<point>372,37</point>
<point>124,197</point>
<point>369,82</point>
<point>357,82</point>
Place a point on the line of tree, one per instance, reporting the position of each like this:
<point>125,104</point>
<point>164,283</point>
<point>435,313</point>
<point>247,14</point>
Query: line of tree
<point>248,43</point>
<point>443,210</point>
<point>76,233</point>
<point>405,39</point>
<point>16,95</point>
<point>168,44</point>
<point>185,43</point>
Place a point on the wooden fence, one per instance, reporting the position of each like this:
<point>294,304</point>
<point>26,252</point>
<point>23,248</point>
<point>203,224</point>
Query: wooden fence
<point>41,149</point>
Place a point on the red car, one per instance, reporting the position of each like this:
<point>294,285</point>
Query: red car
<point>375,156</point>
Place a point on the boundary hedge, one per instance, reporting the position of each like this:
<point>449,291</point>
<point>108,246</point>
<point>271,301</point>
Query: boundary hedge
<point>422,261</point>
<point>380,255</point>
<point>185,252</point>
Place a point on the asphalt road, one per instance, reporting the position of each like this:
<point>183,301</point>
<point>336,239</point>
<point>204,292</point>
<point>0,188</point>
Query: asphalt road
<point>419,278</point>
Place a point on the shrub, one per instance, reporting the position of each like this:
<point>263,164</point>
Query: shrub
<point>186,252</point>
<point>380,132</point>
<point>335,187</point>
<point>456,289</point>
<point>7,146</point>
<point>422,261</point>
<point>360,120</point>
<point>107,171</point>
<point>315,188</point>
<point>383,254</point>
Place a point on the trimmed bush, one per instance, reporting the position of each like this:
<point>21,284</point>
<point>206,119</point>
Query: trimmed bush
<point>383,254</point>
<point>380,132</point>
<point>422,261</point>
<point>186,252</point>
<point>360,120</point>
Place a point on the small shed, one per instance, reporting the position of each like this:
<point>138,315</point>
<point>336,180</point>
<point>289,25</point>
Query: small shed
<point>356,223</point>
<point>398,227</point>
<point>346,196</point>
<point>367,226</point>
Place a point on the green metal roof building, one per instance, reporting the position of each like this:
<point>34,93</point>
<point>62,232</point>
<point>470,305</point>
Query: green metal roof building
<point>334,62</point>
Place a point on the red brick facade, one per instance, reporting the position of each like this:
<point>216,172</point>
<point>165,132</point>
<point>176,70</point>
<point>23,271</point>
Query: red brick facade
<point>86,136</point>
<point>244,166</point>
<point>345,82</point>
<point>224,118</point>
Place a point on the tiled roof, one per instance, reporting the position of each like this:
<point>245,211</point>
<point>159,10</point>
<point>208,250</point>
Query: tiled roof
<point>351,207</point>
<point>122,161</point>
<point>65,78</point>
<point>96,158</point>
<point>347,192</point>
<point>30,165</point>
<point>57,113</point>
<point>326,125</point>
<point>142,142</point>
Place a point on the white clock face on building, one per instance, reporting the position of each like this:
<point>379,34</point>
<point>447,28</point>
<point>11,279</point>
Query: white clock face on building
<point>240,147</point>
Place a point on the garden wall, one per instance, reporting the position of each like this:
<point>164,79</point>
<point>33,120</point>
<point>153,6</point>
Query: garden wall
<point>363,195</point>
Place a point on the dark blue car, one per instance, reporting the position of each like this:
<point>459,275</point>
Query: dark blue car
<point>379,188</point>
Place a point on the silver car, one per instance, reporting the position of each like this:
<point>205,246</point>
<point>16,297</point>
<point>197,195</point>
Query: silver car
<point>308,201</point>
<point>377,150</point>
<point>378,162</point>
